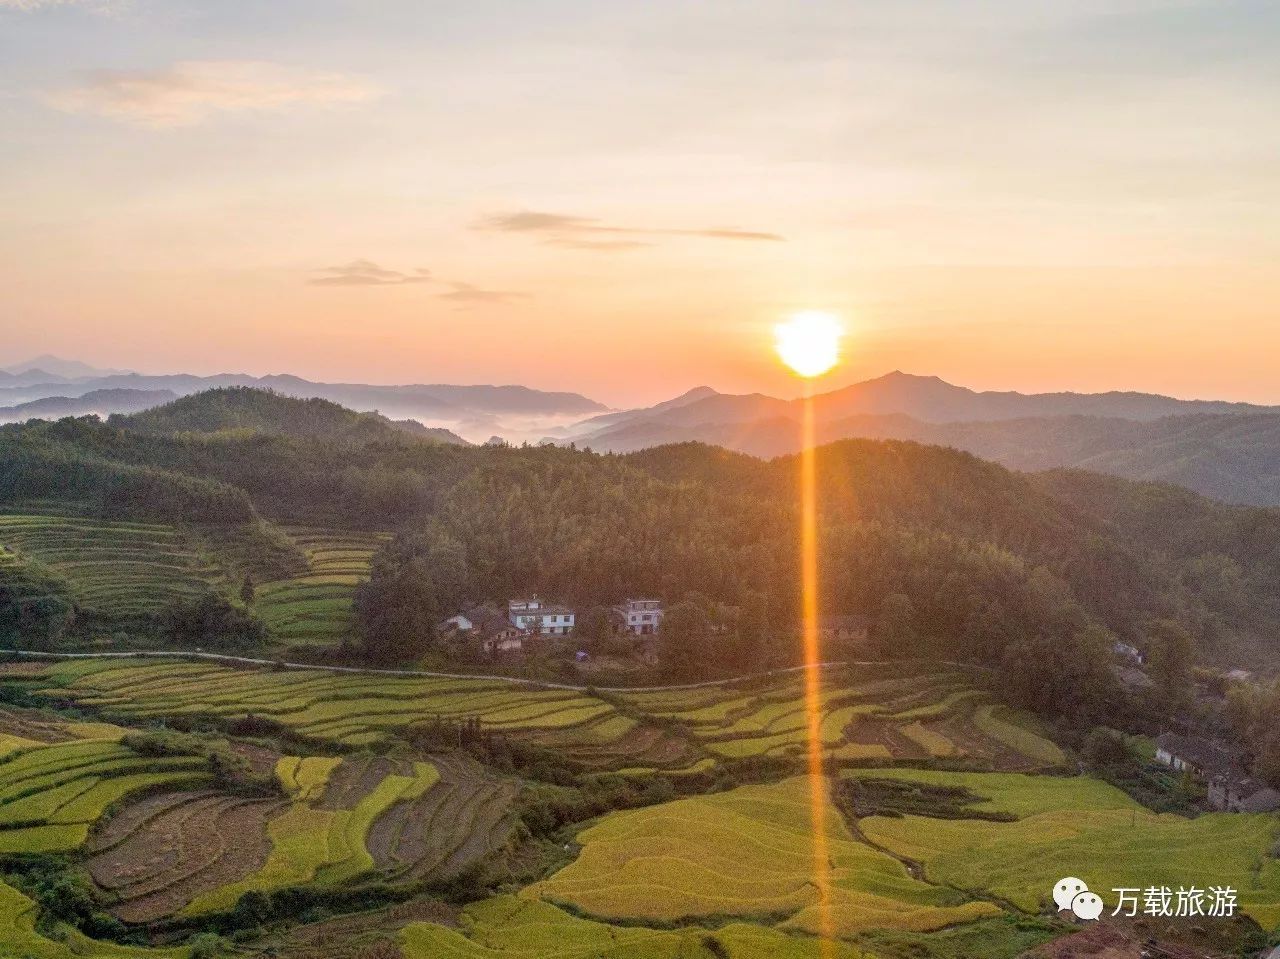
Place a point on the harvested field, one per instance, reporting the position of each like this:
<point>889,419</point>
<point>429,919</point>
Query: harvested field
<point>33,725</point>
<point>20,939</point>
<point>464,816</point>
<point>355,778</point>
<point>51,794</point>
<point>177,847</point>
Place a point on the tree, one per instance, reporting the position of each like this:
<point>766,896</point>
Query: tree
<point>895,633</point>
<point>33,622</point>
<point>211,621</point>
<point>684,647</point>
<point>750,650</point>
<point>415,583</point>
<point>397,611</point>
<point>594,627</point>
<point>1171,651</point>
<point>1066,676</point>
<point>1105,750</point>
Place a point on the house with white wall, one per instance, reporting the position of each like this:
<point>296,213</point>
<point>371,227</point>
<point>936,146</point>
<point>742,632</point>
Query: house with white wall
<point>642,617</point>
<point>535,616</point>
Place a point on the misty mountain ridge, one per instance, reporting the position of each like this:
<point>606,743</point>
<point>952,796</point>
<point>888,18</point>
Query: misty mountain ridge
<point>99,402</point>
<point>518,412</point>
<point>48,367</point>
<point>1230,451</point>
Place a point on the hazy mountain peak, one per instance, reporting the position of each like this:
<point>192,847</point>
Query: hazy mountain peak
<point>685,398</point>
<point>55,367</point>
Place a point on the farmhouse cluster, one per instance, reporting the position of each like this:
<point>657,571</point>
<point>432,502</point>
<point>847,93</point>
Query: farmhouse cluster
<point>495,631</point>
<point>1219,767</point>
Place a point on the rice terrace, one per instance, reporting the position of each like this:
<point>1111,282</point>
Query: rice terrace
<point>374,789</point>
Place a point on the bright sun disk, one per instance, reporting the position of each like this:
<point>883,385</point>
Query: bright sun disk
<point>809,342</point>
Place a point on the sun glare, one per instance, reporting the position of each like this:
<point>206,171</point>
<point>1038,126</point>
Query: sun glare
<point>809,342</point>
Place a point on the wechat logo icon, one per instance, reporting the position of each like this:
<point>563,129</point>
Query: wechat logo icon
<point>1073,894</point>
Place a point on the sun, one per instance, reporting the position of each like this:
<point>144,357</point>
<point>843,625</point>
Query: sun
<point>809,342</point>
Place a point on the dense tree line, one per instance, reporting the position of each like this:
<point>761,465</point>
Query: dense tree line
<point>949,556</point>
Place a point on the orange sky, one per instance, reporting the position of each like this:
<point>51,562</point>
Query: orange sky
<point>623,199</point>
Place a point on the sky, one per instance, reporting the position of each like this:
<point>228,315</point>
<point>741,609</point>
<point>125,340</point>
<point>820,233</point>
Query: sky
<point>622,199</point>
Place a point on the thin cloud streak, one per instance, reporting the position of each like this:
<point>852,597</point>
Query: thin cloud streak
<point>568,230</point>
<point>189,92</point>
<point>465,293</point>
<point>27,6</point>
<point>366,273</point>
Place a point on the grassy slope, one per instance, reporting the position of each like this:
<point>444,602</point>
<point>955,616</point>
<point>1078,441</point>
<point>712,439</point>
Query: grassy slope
<point>1079,826</point>
<point>745,853</point>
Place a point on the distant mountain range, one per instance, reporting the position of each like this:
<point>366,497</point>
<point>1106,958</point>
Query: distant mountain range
<point>54,367</point>
<point>101,402</point>
<point>483,409</point>
<point>1230,451</point>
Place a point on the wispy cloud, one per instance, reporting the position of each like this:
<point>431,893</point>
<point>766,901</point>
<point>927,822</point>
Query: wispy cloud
<point>582,232</point>
<point>191,91</point>
<point>102,6</point>
<point>465,293</point>
<point>366,273</point>
<point>369,273</point>
<point>578,243</point>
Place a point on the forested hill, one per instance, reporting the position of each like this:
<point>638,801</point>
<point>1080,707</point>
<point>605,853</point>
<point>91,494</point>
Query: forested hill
<point>264,411</point>
<point>973,561</point>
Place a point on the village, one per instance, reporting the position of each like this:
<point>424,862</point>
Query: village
<point>1209,763</point>
<point>493,631</point>
<point>487,629</point>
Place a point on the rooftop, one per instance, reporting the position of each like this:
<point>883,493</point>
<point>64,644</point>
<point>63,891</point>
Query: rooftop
<point>1210,756</point>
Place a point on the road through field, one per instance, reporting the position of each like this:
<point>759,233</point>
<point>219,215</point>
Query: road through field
<point>424,674</point>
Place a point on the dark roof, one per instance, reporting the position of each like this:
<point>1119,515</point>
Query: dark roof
<point>1133,678</point>
<point>485,621</point>
<point>1208,756</point>
<point>544,610</point>
<point>1252,794</point>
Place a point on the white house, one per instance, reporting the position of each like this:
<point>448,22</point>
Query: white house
<point>640,616</point>
<point>1128,651</point>
<point>460,623</point>
<point>486,626</point>
<point>534,616</point>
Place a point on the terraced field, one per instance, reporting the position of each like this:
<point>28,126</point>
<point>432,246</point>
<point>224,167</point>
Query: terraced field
<point>51,795</point>
<point>863,718</point>
<point>937,715</point>
<point>314,608</point>
<point>509,927</point>
<point>1083,827</point>
<point>745,853</point>
<point>710,875</point>
<point>117,568</point>
<point>165,851</point>
<point>347,709</point>
<point>348,818</point>
<point>465,815</point>
<point>31,727</point>
<point>19,938</point>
